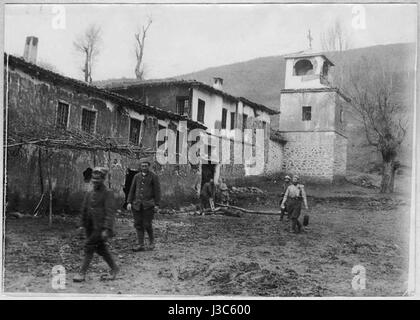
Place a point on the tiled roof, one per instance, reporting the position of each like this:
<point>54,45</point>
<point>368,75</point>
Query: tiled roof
<point>41,73</point>
<point>126,83</point>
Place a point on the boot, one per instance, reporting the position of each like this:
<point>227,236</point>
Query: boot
<point>140,238</point>
<point>111,263</point>
<point>292,227</point>
<point>81,276</point>
<point>151,239</point>
<point>151,245</point>
<point>299,226</point>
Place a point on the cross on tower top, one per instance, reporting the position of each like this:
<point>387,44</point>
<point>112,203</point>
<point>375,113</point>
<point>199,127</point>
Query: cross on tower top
<point>310,39</point>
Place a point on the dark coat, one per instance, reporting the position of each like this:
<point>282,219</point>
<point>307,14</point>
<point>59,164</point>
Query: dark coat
<point>208,191</point>
<point>145,190</point>
<point>98,210</point>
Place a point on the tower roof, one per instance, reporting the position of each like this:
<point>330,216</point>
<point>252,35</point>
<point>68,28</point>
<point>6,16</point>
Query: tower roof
<point>307,54</point>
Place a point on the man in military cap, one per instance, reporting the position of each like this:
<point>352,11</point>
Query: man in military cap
<point>98,223</point>
<point>295,195</point>
<point>143,200</point>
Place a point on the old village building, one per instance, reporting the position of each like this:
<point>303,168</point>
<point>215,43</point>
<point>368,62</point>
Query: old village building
<point>225,116</point>
<point>59,128</point>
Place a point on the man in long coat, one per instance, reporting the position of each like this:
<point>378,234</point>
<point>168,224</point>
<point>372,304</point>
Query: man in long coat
<point>98,223</point>
<point>143,200</point>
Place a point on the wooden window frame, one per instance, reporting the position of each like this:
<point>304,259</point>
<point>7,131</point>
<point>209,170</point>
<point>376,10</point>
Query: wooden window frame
<point>224,118</point>
<point>129,131</point>
<point>305,110</point>
<point>198,111</point>
<point>95,122</point>
<point>68,114</point>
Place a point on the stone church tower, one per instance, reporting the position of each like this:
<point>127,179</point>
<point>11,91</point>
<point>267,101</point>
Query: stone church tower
<point>312,119</point>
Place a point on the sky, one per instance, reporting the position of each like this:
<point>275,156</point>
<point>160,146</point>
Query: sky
<point>187,38</point>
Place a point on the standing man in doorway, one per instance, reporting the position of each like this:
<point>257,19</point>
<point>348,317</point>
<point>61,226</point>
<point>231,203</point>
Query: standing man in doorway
<point>207,195</point>
<point>143,200</point>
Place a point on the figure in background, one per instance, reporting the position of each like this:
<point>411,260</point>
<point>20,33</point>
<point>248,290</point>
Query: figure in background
<point>295,195</point>
<point>207,194</point>
<point>224,192</point>
<point>283,211</point>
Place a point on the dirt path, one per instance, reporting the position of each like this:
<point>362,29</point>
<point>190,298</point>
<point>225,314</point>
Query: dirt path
<point>220,255</point>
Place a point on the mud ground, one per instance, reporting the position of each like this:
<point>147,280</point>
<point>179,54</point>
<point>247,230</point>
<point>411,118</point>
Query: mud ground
<point>251,255</point>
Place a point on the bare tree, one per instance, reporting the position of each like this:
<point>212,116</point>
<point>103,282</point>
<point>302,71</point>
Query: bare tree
<point>140,37</point>
<point>373,89</point>
<point>88,44</point>
<point>335,38</point>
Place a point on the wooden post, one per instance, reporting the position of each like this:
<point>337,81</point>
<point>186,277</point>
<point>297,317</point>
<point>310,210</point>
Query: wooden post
<point>41,178</point>
<point>109,167</point>
<point>49,188</point>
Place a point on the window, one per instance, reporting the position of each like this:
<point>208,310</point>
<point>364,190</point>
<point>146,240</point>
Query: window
<point>161,142</point>
<point>201,109</point>
<point>209,152</point>
<point>306,113</point>
<point>303,67</point>
<point>182,105</point>
<point>341,116</point>
<point>264,126</point>
<point>232,120</point>
<point>244,121</point>
<point>224,118</point>
<point>135,128</point>
<point>177,146</point>
<point>88,120</point>
<point>62,115</point>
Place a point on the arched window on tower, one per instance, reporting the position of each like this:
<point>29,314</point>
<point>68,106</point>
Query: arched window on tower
<point>303,67</point>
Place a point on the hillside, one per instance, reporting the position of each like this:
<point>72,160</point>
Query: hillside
<point>261,80</point>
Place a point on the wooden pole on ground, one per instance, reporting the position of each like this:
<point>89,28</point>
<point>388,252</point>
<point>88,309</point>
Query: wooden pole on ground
<point>273,213</point>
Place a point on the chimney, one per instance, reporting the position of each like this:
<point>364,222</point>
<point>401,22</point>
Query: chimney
<point>31,49</point>
<point>218,83</point>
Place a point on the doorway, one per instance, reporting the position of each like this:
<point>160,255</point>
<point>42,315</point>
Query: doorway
<point>207,172</point>
<point>129,175</point>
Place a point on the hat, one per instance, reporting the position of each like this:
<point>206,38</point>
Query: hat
<point>101,171</point>
<point>145,160</point>
<point>287,178</point>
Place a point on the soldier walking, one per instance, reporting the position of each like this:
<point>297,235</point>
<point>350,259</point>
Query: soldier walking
<point>98,223</point>
<point>143,200</point>
<point>295,194</point>
<point>283,211</point>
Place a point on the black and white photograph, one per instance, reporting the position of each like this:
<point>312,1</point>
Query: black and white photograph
<point>194,150</point>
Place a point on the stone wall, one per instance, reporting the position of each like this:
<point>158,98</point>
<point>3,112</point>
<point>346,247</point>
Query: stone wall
<point>275,157</point>
<point>33,101</point>
<point>309,154</point>
<point>27,171</point>
<point>315,155</point>
<point>340,156</point>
